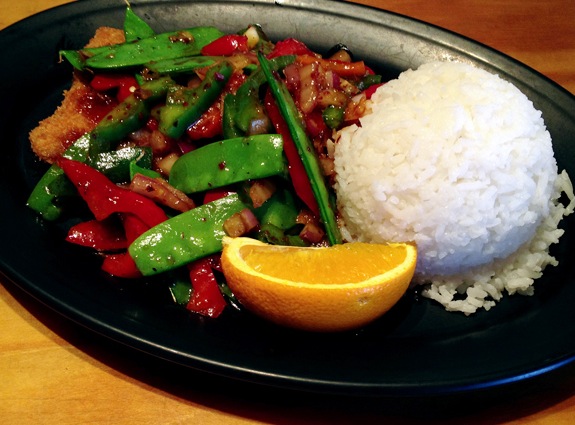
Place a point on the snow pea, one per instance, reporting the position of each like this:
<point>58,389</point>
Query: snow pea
<point>135,28</point>
<point>305,149</point>
<point>229,161</point>
<point>184,106</point>
<point>168,45</point>
<point>181,65</point>
<point>184,238</point>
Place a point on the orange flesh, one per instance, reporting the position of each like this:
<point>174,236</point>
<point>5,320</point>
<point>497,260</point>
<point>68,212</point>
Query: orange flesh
<point>344,265</point>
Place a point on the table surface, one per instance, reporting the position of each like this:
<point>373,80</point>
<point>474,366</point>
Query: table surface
<point>54,372</point>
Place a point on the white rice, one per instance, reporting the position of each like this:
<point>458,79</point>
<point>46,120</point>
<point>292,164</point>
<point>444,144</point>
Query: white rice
<point>459,161</point>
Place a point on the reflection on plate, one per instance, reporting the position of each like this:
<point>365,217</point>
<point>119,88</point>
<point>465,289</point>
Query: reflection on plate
<point>417,349</point>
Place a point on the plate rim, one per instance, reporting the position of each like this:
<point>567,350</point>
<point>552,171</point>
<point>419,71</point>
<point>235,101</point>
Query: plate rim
<point>120,335</point>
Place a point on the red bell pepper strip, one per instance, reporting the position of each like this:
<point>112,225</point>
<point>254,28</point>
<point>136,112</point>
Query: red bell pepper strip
<point>122,264</point>
<point>100,235</point>
<point>226,45</point>
<point>300,180</point>
<point>206,298</point>
<point>105,198</point>
<point>290,46</point>
<point>126,84</point>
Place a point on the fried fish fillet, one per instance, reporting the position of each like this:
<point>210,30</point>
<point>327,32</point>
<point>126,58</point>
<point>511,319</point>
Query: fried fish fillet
<point>54,134</point>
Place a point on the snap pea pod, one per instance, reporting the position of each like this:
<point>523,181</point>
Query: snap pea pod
<point>185,237</point>
<point>168,45</point>
<point>184,106</point>
<point>229,161</point>
<point>305,149</point>
<point>181,65</point>
<point>135,28</point>
<point>125,118</point>
<point>229,128</point>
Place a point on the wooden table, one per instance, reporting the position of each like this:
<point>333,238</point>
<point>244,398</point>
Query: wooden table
<point>51,371</point>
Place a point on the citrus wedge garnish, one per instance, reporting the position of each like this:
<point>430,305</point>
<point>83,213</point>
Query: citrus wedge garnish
<point>334,288</point>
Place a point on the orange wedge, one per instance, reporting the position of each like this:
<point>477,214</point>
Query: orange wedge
<point>323,289</point>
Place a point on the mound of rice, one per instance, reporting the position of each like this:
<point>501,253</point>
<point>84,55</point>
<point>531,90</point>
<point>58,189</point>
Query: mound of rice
<point>459,161</point>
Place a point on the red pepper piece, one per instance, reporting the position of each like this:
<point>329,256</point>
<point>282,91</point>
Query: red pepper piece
<point>371,90</point>
<point>210,123</point>
<point>133,227</point>
<point>226,45</point>
<point>121,265</point>
<point>215,194</point>
<point>315,125</point>
<point>300,180</point>
<point>126,84</point>
<point>206,298</point>
<point>105,198</point>
<point>290,46</point>
<point>100,235</point>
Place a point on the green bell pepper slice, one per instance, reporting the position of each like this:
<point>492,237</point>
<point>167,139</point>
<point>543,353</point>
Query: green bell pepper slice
<point>280,210</point>
<point>185,237</point>
<point>229,161</point>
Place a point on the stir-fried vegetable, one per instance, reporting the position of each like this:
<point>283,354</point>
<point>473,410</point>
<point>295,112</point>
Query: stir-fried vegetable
<point>305,150</point>
<point>214,134</point>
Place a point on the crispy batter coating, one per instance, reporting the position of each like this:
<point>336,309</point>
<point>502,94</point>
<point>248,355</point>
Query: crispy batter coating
<point>54,134</point>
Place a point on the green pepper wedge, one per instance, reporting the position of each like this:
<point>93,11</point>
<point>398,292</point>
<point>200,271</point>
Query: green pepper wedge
<point>185,237</point>
<point>229,161</point>
<point>279,210</point>
<point>305,149</point>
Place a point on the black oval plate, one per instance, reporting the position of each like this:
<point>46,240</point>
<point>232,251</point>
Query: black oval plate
<point>417,349</point>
